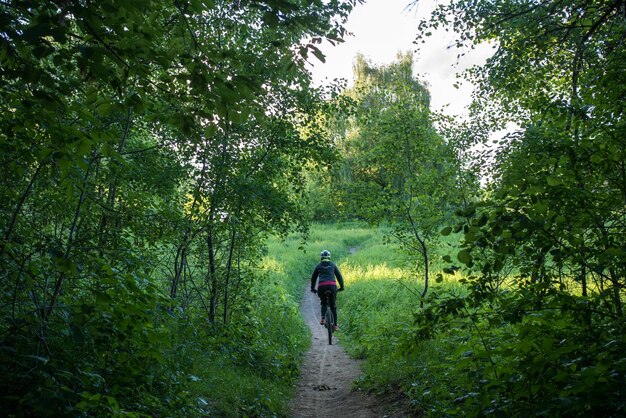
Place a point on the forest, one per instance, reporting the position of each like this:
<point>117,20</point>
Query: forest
<point>169,174</point>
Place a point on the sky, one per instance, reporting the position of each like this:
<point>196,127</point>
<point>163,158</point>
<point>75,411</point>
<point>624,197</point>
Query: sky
<point>382,28</point>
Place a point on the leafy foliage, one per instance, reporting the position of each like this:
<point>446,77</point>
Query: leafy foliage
<point>396,168</point>
<point>147,149</point>
<point>542,250</point>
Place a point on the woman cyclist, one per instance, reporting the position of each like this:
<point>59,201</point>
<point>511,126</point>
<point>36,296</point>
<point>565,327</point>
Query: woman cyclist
<point>326,271</point>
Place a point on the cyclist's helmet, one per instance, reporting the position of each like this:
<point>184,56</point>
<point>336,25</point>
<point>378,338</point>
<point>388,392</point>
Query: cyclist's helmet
<point>325,255</point>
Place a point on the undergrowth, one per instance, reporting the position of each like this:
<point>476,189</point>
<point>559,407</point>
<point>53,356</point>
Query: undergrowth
<point>468,351</point>
<point>250,367</point>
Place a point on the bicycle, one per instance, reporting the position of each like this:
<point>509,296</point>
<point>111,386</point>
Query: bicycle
<point>329,320</point>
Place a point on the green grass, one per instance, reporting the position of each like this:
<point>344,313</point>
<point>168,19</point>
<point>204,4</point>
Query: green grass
<point>456,370</point>
<point>377,309</point>
<point>250,367</point>
<point>235,391</point>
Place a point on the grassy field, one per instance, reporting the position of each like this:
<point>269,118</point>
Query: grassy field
<point>454,357</point>
<point>376,311</point>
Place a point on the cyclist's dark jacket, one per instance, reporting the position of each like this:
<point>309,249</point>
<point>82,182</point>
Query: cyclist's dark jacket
<point>326,271</point>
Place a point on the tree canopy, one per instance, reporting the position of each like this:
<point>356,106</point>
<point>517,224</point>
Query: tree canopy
<point>147,147</point>
<point>544,247</point>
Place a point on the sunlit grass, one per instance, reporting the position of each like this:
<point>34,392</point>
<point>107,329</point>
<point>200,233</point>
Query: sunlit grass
<point>371,272</point>
<point>382,289</point>
<point>380,309</point>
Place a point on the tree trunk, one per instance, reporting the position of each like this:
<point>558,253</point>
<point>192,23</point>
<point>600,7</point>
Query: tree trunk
<point>70,243</point>
<point>228,270</point>
<point>424,252</point>
<point>18,208</point>
<point>617,298</point>
<point>212,272</point>
<point>179,263</point>
<point>104,220</point>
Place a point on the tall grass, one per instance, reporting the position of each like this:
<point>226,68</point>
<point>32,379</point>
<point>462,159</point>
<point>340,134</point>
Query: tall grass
<point>250,367</point>
<point>378,308</point>
<point>445,365</point>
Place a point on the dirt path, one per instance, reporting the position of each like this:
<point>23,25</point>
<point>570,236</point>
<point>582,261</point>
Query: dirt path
<point>325,386</point>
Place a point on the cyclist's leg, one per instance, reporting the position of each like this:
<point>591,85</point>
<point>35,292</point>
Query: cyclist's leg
<point>320,293</point>
<point>333,304</point>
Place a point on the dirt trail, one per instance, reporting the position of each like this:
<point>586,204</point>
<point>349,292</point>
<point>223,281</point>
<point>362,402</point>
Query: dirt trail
<point>325,387</point>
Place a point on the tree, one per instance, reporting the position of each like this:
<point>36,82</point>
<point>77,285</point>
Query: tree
<point>139,140</point>
<point>397,168</point>
<point>544,247</point>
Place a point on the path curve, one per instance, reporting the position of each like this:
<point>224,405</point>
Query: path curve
<point>325,386</point>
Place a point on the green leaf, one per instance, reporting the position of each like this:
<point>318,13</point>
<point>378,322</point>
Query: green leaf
<point>464,257</point>
<point>553,181</point>
<point>320,56</point>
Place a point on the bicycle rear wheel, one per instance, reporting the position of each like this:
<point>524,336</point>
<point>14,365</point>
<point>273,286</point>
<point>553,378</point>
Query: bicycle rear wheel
<point>329,321</point>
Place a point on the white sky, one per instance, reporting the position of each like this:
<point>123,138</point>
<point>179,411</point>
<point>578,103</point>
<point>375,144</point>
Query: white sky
<point>381,29</point>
